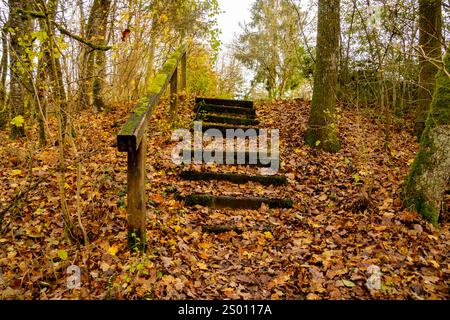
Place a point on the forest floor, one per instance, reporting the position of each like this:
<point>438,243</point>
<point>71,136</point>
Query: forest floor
<point>347,218</point>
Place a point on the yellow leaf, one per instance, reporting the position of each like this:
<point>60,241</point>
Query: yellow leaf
<point>205,245</point>
<point>18,121</point>
<point>202,266</point>
<point>431,237</point>
<point>176,228</point>
<point>15,172</point>
<point>434,263</point>
<point>268,235</point>
<point>113,250</point>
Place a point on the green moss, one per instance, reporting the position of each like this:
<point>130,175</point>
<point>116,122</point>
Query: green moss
<point>131,123</point>
<point>440,105</point>
<point>413,197</point>
<point>322,140</point>
<point>177,53</point>
<point>416,202</point>
<point>169,66</point>
<point>199,199</point>
<point>140,109</point>
<point>156,84</point>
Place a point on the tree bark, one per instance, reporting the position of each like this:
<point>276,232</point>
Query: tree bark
<point>321,132</point>
<point>3,68</point>
<point>100,56</point>
<point>430,24</point>
<point>429,176</point>
<point>4,112</point>
<point>41,76</point>
<point>20,26</point>
<point>93,62</point>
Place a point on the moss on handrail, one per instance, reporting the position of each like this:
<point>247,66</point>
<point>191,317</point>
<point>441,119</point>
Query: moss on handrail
<point>154,87</point>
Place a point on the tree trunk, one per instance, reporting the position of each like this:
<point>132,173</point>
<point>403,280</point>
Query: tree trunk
<point>321,132</point>
<point>20,26</point>
<point>429,176</point>
<point>430,23</point>
<point>41,76</point>
<point>100,56</point>
<point>92,65</point>
<point>3,67</point>
<point>85,98</point>
<point>3,72</point>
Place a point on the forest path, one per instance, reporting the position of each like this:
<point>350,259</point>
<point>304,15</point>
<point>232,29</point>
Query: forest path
<point>240,145</point>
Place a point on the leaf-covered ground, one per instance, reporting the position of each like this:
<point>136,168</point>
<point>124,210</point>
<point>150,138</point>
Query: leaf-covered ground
<point>347,218</point>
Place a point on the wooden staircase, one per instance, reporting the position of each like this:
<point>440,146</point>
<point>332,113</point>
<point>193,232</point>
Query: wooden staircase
<point>225,114</point>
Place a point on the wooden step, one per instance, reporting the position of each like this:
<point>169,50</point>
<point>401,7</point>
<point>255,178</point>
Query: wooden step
<point>228,115</point>
<point>223,128</point>
<point>246,155</point>
<point>222,109</point>
<point>233,177</point>
<point>218,202</point>
<point>228,120</point>
<point>226,102</point>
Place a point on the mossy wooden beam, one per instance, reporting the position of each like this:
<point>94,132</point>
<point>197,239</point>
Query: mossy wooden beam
<point>131,134</point>
<point>226,102</point>
<point>221,229</point>
<point>246,155</point>
<point>252,203</point>
<point>233,177</point>
<point>229,120</point>
<point>222,109</point>
<point>223,127</point>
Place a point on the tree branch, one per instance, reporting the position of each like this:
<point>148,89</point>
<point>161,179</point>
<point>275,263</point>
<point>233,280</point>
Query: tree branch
<point>41,15</point>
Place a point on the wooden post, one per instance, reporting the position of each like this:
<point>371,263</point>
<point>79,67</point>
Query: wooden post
<point>174,95</point>
<point>136,207</point>
<point>183,72</point>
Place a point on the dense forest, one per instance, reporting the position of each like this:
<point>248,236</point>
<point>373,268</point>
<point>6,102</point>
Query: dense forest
<point>353,94</point>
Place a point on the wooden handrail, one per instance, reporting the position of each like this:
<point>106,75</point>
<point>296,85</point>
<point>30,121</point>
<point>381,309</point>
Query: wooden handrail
<point>132,139</point>
<point>131,134</point>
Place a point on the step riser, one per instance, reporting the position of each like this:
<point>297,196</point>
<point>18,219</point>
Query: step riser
<point>225,109</point>
<point>234,158</point>
<point>252,203</point>
<point>229,120</point>
<point>225,102</point>
<point>234,178</point>
<point>223,129</point>
<point>228,115</point>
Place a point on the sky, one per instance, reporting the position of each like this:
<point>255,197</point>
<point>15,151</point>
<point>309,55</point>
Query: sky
<point>235,11</point>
